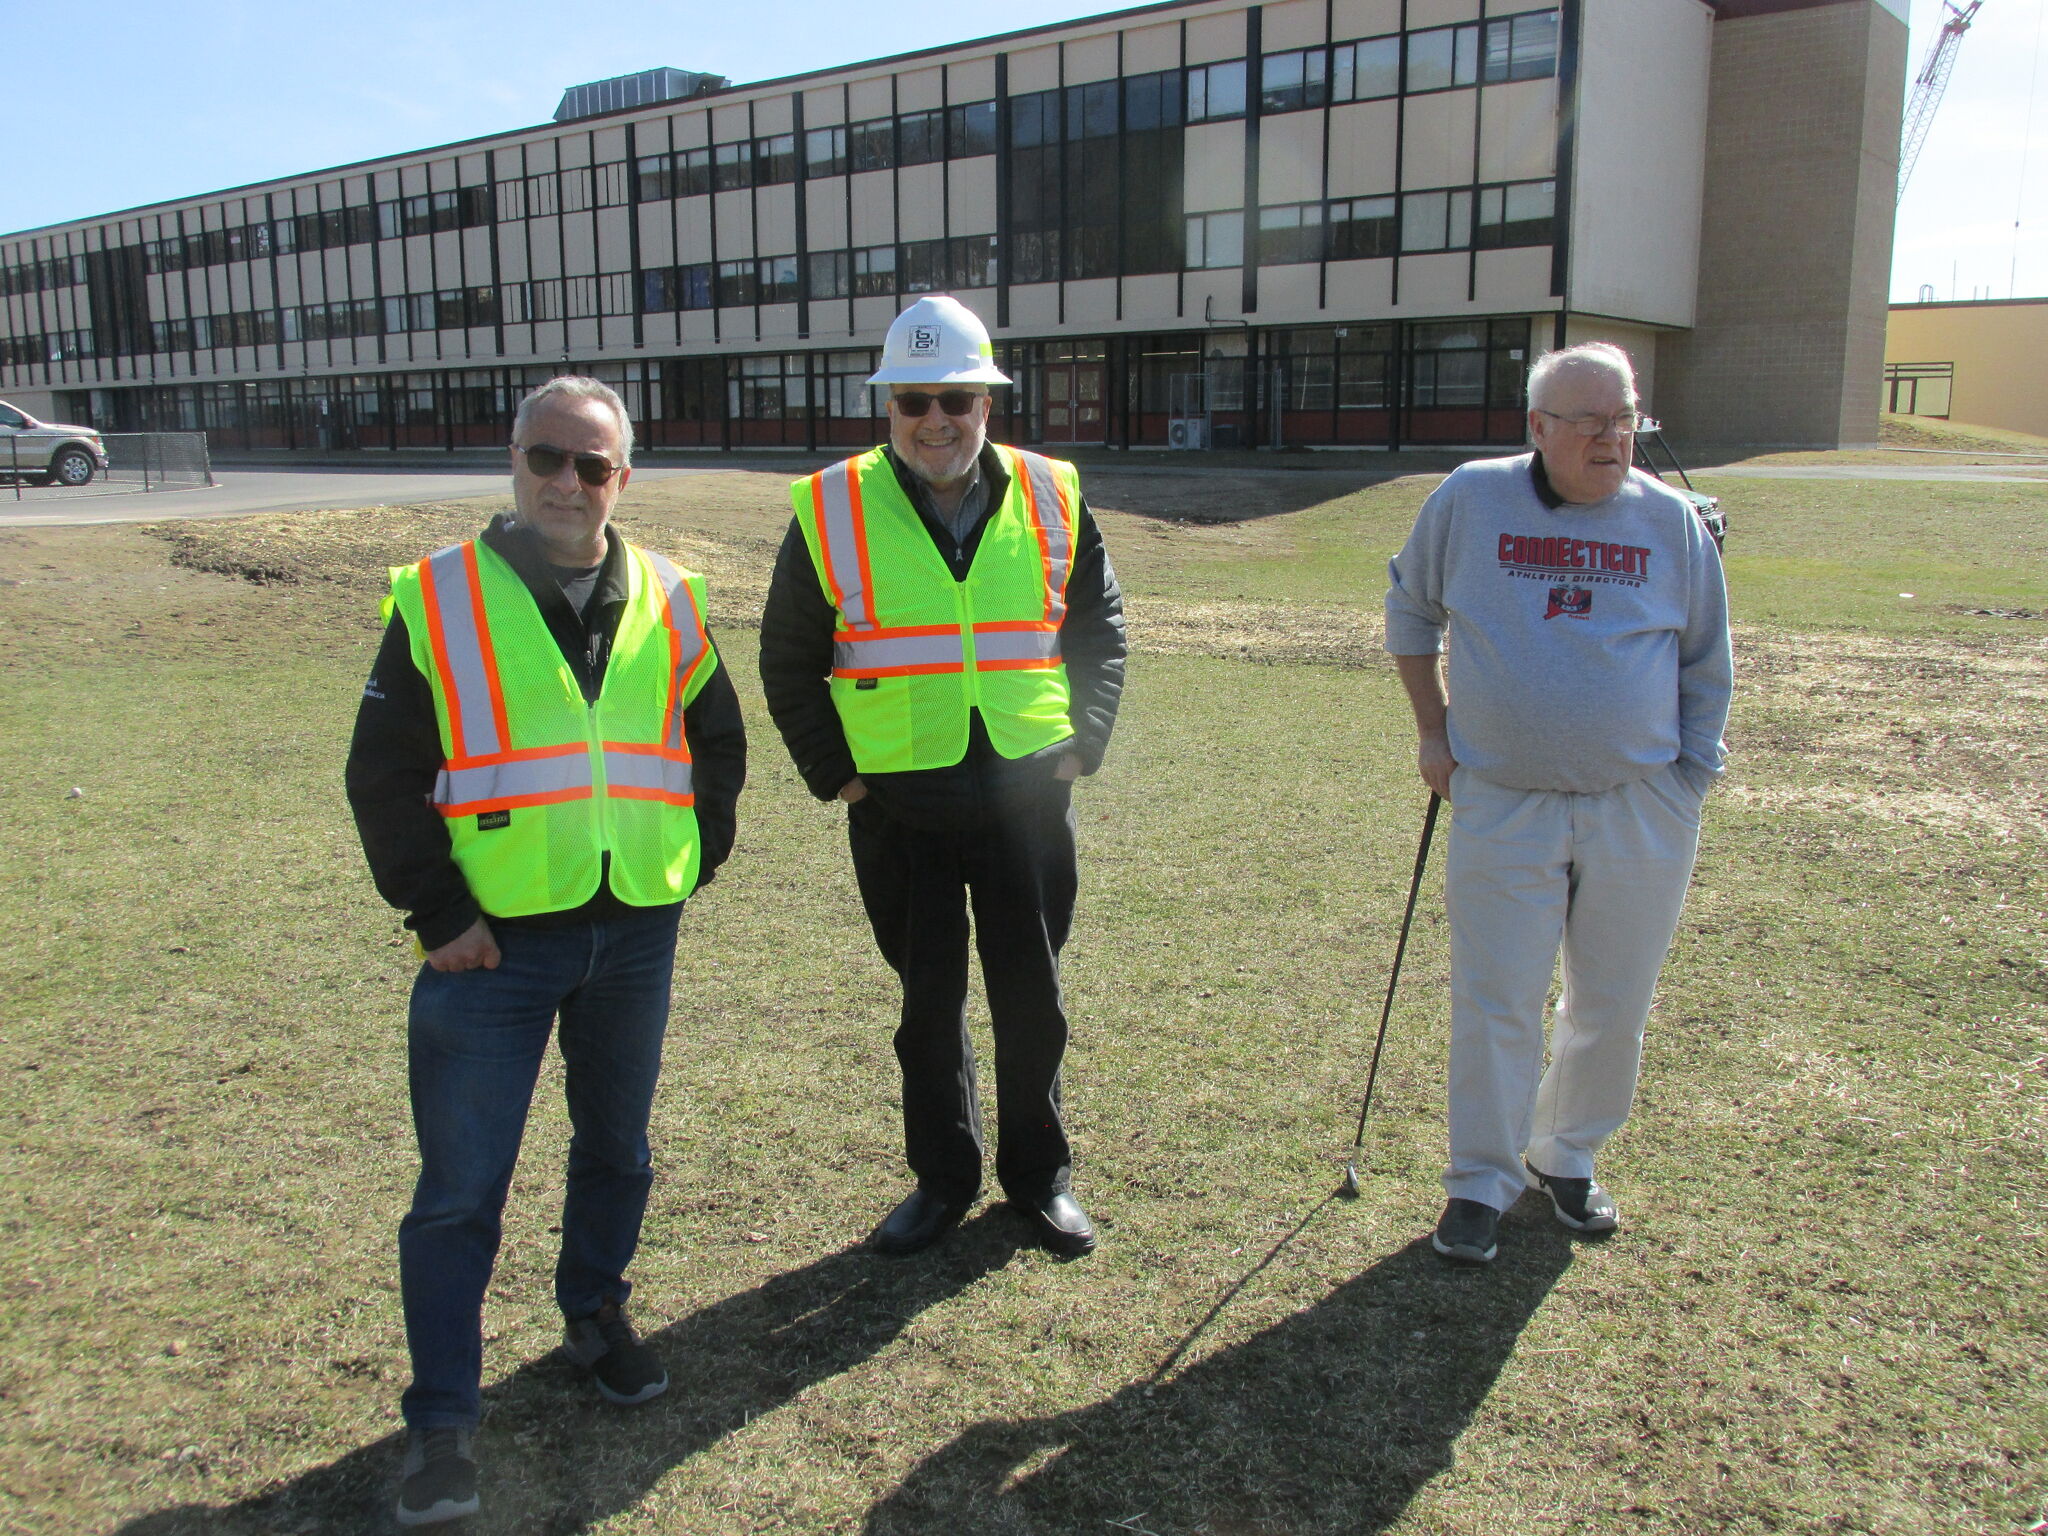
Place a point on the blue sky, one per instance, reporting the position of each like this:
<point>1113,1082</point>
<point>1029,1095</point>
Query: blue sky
<point>117,105</point>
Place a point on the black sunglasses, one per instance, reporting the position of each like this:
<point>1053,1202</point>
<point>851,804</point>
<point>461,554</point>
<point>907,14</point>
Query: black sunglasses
<point>954,402</point>
<point>591,468</point>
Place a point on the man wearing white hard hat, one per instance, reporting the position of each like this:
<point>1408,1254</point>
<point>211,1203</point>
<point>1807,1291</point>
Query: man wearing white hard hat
<point>943,650</point>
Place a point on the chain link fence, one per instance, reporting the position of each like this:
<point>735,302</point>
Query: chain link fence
<point>136,461</point>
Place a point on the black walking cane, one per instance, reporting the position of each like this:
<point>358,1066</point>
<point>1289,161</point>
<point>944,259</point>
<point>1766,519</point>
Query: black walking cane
<point>1349,1188</point>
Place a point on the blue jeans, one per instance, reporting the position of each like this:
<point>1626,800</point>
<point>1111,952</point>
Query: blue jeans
<point>476,1041</point>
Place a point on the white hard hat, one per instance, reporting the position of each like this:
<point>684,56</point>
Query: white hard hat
<point>938,340</point>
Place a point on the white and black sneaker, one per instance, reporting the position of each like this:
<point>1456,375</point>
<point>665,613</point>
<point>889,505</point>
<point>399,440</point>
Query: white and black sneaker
<point>438,1483</point>
<point>627,1371</point>
<point>1467,1232</point>
<point>1580,1204</point>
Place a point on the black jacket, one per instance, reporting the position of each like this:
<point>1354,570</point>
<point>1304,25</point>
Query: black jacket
<point>796,661</point>
<point>396,753</point>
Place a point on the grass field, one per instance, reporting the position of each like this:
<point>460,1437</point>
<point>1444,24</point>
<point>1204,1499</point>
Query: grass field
<point>1824,1312</point>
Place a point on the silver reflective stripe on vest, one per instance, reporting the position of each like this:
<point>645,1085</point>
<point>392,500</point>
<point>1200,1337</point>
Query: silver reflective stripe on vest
<point>1052,526</point>
<point>854,656</point>
<point>447,571</point>
<point>1016,645</point>
<point>836,489</point>
<point>689,624</point>
<point>499,783</point>
<point>625,772</point>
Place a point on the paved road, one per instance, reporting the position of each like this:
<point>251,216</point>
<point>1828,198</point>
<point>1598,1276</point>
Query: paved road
<point>241,492</point>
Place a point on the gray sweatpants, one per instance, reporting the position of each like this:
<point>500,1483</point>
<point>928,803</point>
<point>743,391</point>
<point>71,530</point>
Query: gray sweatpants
<point>1601,877</point>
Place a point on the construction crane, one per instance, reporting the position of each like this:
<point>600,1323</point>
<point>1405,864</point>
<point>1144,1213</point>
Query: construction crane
<point>1930,83</point>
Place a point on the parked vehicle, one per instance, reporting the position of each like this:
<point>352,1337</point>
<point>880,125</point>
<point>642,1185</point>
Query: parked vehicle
<point>48,452</point>
<point>1651,443</point>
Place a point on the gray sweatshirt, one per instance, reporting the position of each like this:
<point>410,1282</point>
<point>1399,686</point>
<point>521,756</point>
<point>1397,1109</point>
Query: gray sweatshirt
<point>1589,643</point>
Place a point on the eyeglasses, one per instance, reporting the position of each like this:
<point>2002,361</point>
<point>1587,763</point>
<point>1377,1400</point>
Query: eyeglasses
<point>593,469</point>
<point>954,402</point>
<point>1593,426</point>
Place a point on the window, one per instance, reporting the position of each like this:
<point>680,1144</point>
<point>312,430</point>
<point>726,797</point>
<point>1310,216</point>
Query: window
<point>732,167</point>
<point>965,261</point>
<point>575,189</point>
<point>1034,120</point>
<point>874,271</point>
<point>1436,221</point>
<point>1216,90</point>
<point>543,194</point>
<point>830,273</point>
<point>920,138</point>
<point>1091,111</point>
<point>613,184</point>
<point>1090,182</point>
<point>738,283</point>
<point>1152,101</point>
<point>1443,57</point>
<point>871,146</point>
<point>775,160</point>
<point>768,388</point>
<point>1288,82</point>
<point>1290,234</point>
<point>777,280</point>
<point>579,298</point>
<point>1035,188</point>
<point>1521,213</point>
<point>1365,71</point>
<point>655,178</point>
<point>1521,47</point>
<point>971,130</point>
<point>1362,227</point>
<point>825,152</point>
<point>923,265</point>
<point>846,385</point>
<point>693,172</point>
<point>1215,240</point>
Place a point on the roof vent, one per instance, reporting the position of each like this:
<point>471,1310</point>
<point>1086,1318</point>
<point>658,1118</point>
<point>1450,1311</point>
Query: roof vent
<point>642,90</point>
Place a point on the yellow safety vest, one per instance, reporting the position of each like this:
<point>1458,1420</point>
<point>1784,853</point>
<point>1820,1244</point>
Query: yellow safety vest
<point>537,785</point>
<point>915,650</point>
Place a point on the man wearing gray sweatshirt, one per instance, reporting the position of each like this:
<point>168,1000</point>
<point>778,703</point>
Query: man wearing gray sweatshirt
<point>1588,684</point>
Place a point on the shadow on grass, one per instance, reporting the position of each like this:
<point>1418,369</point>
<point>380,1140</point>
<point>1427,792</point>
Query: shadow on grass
<point>555,1460</point>
<point>1330,1421</point>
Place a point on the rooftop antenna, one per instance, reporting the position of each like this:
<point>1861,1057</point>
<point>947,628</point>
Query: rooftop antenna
<point>1930,83</point>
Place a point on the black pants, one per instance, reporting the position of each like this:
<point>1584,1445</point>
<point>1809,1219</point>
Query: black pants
<point>1016,864</point>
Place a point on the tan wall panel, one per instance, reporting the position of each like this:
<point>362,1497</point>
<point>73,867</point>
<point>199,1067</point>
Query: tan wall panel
<point>544,240</point>
<point>919,90</point>
<point>869,98</point>
<point>1147,49</point>
<point>1436,148</point>
<point>1034,307</point>
<point>614,240</point>
<point>1091,58</point>
<point>730,123</point>
<point>2000,352</point>
<point>543,155</point>
<point>690,130</point>
<point>609,145</point>
<point>1034,69</point>
<point>1091,301</point>
<point>1638,341</point>
<point>824,107</point>
<point>973,196</point>
<point>476,251</point>
<point>1220,294</point>
<point>504,160</point>
<point>579,247</point>
<point>693,226</point>
<point>1291,158</point>
<point>1516,279</point>
<point>1214,176</point>
<point>582,334</point>
<point>1150,298</point>
<point>827,214</point>
<point>871,317</point>
<point>362,267</point>
<point>1288,293</point>
<point>659,329</point>
<point>775,216</point>
<point>874,208</point>
<point>1363,289</point>
<point>334,267</point>
<point>921,201</point>
<point>511,264</point>
<point>657,235</point>
<point>695,326</point>
<point>1216,37</point>
<point>1291,24</point>
<point>971,80</point>
<point>470,169</point>
<point>440,178</point>
<point>773,114</point>
<point>1518,131</point>
<point>447,260</point>
<point>1433,284</point>
<point>735,215</point>
<point>412,181</point>
<point>1362,140</point>
<point>778,320</point>
<point>1440,13</point>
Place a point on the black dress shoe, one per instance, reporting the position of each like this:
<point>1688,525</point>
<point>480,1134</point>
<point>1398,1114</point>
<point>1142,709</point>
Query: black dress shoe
<point>921,1220</point>
<point>1062,1226</point>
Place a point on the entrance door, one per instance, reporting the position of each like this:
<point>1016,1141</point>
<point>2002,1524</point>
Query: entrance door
<point>1073,403</point>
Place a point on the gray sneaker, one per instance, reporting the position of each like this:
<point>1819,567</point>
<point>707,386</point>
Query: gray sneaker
<point>627,1371</point>
<point>1467,1232</point>
<point>438,1483</point>
<point>1580,1204</point>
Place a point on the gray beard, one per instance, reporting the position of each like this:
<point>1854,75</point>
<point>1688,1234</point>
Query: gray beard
<point>958,467</point>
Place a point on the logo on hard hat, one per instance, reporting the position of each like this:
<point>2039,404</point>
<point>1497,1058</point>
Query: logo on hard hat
<point>924,340</point>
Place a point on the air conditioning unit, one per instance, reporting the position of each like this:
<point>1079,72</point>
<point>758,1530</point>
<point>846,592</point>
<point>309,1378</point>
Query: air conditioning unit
<point>1186,432</point>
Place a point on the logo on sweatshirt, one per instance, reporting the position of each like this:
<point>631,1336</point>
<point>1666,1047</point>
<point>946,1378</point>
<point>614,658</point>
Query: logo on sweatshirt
<point>1572,602</point>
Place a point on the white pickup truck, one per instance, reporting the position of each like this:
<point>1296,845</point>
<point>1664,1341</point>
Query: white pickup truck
<point>48,452</point>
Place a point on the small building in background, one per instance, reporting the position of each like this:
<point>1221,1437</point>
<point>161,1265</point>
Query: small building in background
<point>1981,362</point>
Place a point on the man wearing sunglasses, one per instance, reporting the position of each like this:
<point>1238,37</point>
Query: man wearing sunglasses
<point>545,766</point>
<point>1589,680</point>
<point>943,650</point>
